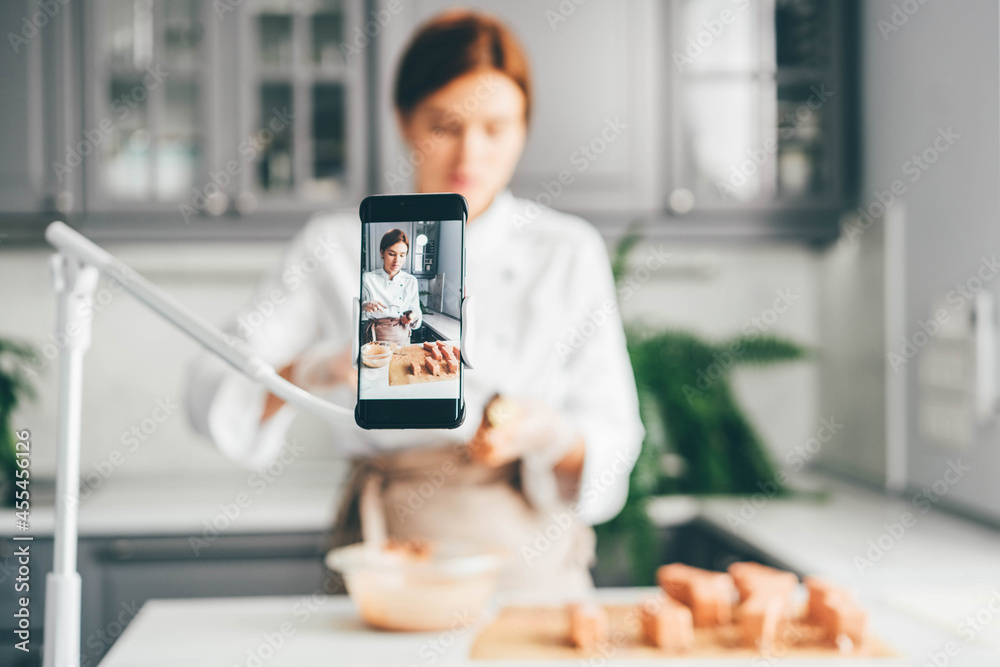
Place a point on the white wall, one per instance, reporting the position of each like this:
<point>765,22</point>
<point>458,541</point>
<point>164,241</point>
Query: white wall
<point>136,359</point>
<point>715,290</point>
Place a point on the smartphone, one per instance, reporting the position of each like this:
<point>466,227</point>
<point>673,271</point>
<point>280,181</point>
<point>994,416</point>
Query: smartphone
<point>410,371</point>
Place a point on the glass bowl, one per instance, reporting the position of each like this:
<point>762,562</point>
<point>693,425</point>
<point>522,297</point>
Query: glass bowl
<point>377,354</point>
<point>394,590</point>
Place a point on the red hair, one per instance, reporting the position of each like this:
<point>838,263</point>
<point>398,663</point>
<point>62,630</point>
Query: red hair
<point>453,44</point>
<point>391,238</point>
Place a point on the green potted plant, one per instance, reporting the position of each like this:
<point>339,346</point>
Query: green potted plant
<point>14,387</point>
<point>691,417</point>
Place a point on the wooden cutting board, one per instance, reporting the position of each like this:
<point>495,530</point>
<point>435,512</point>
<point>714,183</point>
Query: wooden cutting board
<point>399,365</point>
<point>542,633</point>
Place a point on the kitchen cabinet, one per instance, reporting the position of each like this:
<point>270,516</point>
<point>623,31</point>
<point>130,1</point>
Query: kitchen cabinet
<point>40,564</point>
<point>220,119</point>
<point>181,118</point>
<point>129,571</point>
<point>39,80</point>
<point>697,543</point>
<point>700,117</point>
<point>227,117</point>
<point>759,106</point>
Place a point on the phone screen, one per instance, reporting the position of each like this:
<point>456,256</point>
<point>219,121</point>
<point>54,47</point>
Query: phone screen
<point>410,372</point>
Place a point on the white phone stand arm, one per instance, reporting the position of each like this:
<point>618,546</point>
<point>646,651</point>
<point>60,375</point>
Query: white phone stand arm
<point>229,348</point>
<point>74,276</point>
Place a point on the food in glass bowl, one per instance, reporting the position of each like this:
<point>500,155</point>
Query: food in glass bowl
<point>377,354</point>
<point>419,587</point>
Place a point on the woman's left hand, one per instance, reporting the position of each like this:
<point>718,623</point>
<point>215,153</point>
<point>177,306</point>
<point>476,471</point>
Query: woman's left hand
<point>500,437</point>
<point>513,428</point>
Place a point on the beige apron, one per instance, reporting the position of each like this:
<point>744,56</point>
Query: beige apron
<point>387,329</point>
<point>440,493</point>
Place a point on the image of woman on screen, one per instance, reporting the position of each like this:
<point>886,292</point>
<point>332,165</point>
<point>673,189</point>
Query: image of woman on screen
<point>390,297</point>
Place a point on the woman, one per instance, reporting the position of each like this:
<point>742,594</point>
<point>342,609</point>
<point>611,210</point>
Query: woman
<point>390,297</point>
<point>553,428</point>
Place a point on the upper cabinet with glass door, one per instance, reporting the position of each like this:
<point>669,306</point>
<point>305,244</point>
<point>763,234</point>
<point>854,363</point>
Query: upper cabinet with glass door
<point>303,79</point>
<point>247,109</point>
<point>145,103</point>
<point>757,104</point>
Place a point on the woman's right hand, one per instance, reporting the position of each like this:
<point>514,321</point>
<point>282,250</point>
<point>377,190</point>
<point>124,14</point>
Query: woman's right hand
<point>372,306</point>
<point>315,372</point>
<point>330,371</point>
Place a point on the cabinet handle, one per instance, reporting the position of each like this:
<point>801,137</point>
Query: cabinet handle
<point>232,547</point>
<point>64,202</point>
<point>121,550</point>
<point>681,201</point>
<point>246,203</point>
<point>984,325</point>
<point>217,203</point>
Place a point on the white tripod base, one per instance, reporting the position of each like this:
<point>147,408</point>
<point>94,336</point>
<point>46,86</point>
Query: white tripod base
<point>74,283</point>
<point>62,620</point>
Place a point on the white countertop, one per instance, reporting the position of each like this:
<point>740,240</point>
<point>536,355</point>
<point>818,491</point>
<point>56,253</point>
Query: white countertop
<point>446,326</point>
<point>375,384</point>
<point>321,630</point>
<point>940,571</point>
<point>833,536</point>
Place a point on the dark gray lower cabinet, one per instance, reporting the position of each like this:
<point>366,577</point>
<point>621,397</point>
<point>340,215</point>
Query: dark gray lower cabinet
<point>12,582</point>
<point>697,543</point>
<point>120,574</point>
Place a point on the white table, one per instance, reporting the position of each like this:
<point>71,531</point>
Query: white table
<point>375,384</point>
<point>306,630</point>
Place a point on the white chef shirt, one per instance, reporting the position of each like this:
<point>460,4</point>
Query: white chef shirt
<point>547,328</point>
<point>399,294</point>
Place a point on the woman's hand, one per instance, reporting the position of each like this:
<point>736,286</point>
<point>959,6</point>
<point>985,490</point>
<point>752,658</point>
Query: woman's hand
<point>499,438</point>
<point>315,372</point>
<point>512,428</point>
<point>405,319</point>
<point>372,306</point>
<point>339,369</point>
<point>330,371</point>
<point>543,438</point>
